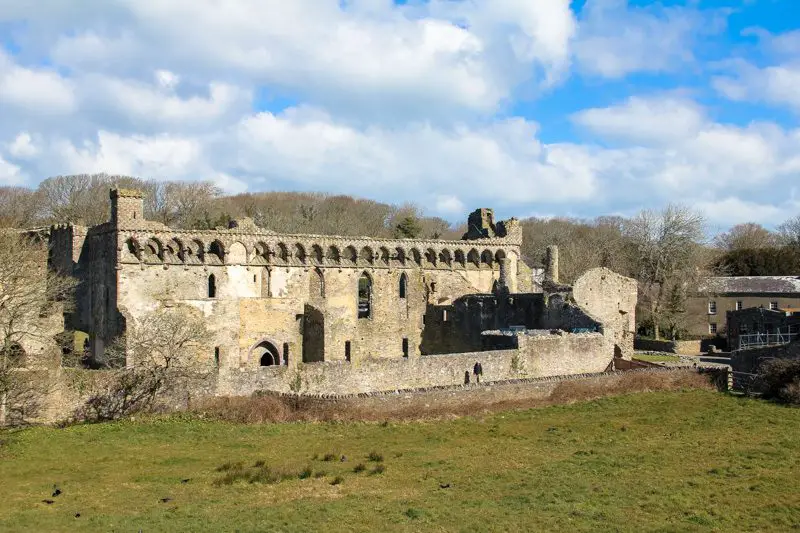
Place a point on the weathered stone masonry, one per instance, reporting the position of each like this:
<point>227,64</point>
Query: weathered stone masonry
<point>337,304</point>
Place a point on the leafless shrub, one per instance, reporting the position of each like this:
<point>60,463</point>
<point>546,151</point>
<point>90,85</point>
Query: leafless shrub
<point>781,380</point>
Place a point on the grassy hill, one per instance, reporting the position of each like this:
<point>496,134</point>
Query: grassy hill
<point>667,461</point>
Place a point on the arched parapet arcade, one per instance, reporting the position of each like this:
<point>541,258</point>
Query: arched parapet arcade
<point>265,248</point>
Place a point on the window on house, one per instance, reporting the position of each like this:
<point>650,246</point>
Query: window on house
<point>712,329</point>
<point>712,307</point>
<point>405,347</point>
<point>346,350</point>
<point>739,305</point>
<point>403,285</point>
<point>364,296</point>
<point>212,286</point>
<point>773,306</point>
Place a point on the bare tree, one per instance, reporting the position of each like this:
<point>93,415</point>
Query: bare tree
<point>19,208</point>
<point>747,236</point>
<point>789,232</point>
<point>30,296</point>
<point>666,255</point>
<point>161,352</point>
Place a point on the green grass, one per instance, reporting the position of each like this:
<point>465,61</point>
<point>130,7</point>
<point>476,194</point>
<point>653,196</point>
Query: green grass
<point>657,358</point>
<point>681,461</point>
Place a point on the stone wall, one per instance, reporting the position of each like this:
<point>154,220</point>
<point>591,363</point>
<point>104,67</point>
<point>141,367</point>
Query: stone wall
<point>749,360</point>
<point>610,299</point>
<point>537,356</point>
<point>693,347</point>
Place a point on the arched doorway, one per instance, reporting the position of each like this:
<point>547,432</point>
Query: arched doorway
<point>267,354</point>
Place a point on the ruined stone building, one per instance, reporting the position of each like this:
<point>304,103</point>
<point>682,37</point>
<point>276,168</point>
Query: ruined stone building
<point>347,314</point>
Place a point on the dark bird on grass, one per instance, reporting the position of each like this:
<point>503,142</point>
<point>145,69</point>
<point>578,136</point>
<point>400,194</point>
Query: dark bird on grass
<point>56,491</point>
<point>444,485</point>
<point>77,515</point>
<point>48,502</point>
<point>187,480</point>
<point>165,500</point>
<point>344,458</point>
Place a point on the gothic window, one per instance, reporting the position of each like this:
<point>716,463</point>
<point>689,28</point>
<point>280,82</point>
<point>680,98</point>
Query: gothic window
<point>403,285</point>
<point>212,286</point>
<point>364,296</point>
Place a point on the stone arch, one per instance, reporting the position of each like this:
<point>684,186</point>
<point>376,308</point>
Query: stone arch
<point>487,258</point>
<point>260,254</point>
<point>333,255</point>
<point>383,254</point>
<point>133,249</point>
<point>195,251</point>
<point>401,255</point>
<point>460,259</point>
<point>430,257</point>
<point>174,251</point>
<point>153,251</point>
<point>499,256</point>
<point>367,255</point>
<point>316,254</point>
<point>416,256</point>
<point>237,254</point>
<point>216,253</point>
<point>283,253</point>
<point>364,295</point>
<point>446,258</point>
<point>316,284</point>
<point>474,258</point>
<point>266,353</point>
<point>350,255</point>
<point>300,253</point>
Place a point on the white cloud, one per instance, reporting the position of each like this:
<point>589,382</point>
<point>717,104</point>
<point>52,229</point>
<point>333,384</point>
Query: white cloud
<point>9,174</point>
<point>362,56</point>
<point>22,146</point>
<point>450,205</point>
<point>34,90</point>
<point>695,158</point>
<point>645,119</point>
<point>615,39</point>
<point>777,84</point>
<point>732,210</point>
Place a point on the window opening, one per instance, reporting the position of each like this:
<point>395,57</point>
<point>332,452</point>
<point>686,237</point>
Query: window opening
<point>216,356</point>
<point>285,353</point>
<point>346,350</point>
<point>405,347</point>
<point>712,307</point>
<point>212,286</point>
<point>403,285</point>
<point>364,296</point>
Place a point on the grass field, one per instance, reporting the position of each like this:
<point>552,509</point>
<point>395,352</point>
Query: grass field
<point>666,461</point>
<point>650,358</point>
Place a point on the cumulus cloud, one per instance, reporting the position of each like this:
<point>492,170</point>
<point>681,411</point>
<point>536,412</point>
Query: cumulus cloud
<point>412,102</point>
<point>615,39</point>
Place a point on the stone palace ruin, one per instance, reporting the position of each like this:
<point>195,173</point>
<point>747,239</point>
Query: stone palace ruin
<point>346,314</point>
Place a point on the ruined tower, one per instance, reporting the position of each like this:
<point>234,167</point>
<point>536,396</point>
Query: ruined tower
<point>126,205</point>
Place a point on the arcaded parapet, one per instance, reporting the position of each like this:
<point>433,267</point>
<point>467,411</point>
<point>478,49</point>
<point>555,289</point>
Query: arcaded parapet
<point>610,299</point>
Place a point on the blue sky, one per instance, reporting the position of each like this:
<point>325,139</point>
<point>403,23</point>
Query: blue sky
<point>533,107</point>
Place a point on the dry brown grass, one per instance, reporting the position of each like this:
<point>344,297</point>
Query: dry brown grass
<point>443,404</point>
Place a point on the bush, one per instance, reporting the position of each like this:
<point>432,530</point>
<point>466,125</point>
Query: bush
<point>375,457</point>
<point>359,468</point>
<point>781,380</point>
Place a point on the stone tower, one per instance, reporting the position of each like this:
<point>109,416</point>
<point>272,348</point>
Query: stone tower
<point>126,205</point>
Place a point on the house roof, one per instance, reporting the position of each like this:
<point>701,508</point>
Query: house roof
<point>752,284</point>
